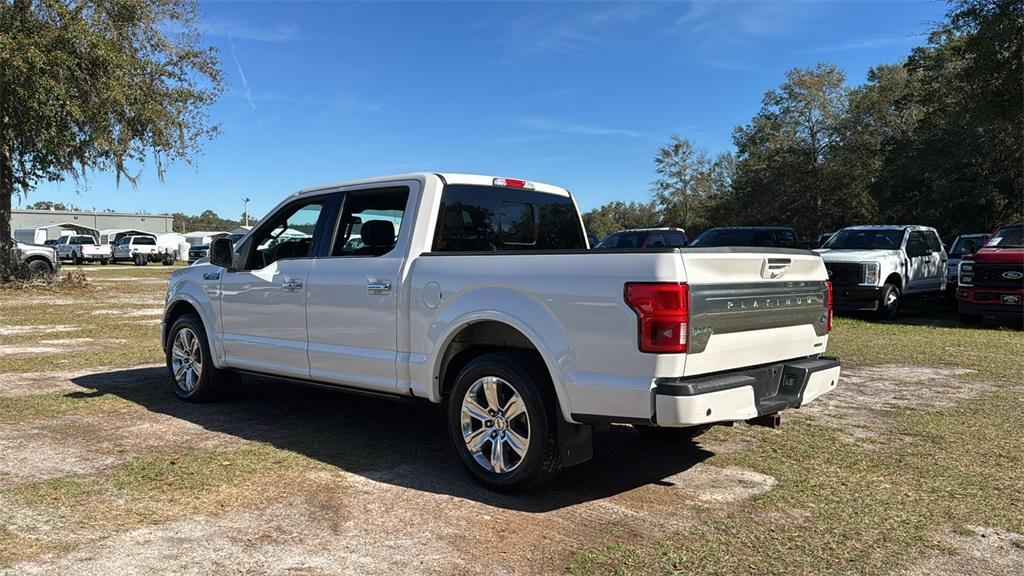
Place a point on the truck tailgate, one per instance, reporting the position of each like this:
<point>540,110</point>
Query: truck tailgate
<point>755,306</point>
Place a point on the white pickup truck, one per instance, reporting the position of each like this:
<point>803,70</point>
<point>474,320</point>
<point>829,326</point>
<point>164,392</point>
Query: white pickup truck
<point>82,248</point>
<point>873,268</point>
<point>479,294</point>
<point>140,249</point>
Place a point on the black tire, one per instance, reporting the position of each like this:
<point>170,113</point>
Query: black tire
<point>39,268</point>
<point>970,319</point>
<point>526,375</point>
<point>104,262</point>
<point>889,302</point>
<point>210,378</point>
<point>670,435</point>
<point>140,260</point>
<point>75,259</point>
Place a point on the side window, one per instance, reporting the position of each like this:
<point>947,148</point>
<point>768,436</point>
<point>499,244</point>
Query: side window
<point>676,240</point>
<point>517,224</point>
<point>656,241</point>
<point>933,241</point>
<point>370,222</point>
<point>916,244</point>
<point>288,235</point>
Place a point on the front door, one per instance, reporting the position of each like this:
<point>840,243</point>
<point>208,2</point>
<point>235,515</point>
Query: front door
<point>263,304</point>
<point>354,290</point>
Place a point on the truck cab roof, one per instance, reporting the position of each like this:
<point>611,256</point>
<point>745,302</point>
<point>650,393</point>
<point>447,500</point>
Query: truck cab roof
<point>446,177</point>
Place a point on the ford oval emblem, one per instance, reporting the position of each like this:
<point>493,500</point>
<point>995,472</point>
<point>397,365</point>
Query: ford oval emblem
<point>1013,275</point>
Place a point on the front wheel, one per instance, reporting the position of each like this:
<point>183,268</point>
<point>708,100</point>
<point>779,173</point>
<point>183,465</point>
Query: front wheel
<point>189,364</point>
<point>502,416</point>
<point>75,259</point>
<point>39,269</point>
<point>889,302</point>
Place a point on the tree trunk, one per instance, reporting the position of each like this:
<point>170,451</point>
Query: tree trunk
<point>8,263</point>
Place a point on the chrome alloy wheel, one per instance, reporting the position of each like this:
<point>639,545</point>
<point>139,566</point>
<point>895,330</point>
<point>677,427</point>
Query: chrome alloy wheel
<point>495,425</point>
<point>187,359</point>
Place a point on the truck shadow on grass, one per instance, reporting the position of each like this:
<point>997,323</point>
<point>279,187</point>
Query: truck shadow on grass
<point>399,443</point>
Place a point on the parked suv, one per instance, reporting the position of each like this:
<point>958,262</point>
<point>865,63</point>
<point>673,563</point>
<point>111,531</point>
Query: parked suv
<point>874,267</point>
<point>478,294</point>
<point>992,279</point>
<point>766,236</point>
<point>644,238</point>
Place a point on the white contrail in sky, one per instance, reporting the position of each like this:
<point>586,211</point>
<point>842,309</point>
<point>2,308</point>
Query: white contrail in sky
<point>245,83</point>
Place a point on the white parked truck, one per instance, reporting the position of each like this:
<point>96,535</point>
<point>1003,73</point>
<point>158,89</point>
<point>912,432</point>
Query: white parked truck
<point>873,268</point>
<point>479,294</point>
<point>82,248</point>
<point>141,250</point>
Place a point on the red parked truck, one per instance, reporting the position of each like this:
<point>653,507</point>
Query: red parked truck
<point>992,280</point>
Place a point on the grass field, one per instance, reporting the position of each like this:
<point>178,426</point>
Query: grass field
<point>914,465</point>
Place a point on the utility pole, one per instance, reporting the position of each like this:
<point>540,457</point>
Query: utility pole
<point>246,212</point>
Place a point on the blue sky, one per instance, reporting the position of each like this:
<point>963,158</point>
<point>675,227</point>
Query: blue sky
<point>576,94</point>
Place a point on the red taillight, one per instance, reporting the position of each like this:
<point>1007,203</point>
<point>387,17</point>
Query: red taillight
<point>828,303</point>
<point>663,314</point>
<point>513,183</point>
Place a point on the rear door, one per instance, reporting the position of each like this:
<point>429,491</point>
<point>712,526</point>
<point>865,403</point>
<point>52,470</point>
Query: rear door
<point>355,286</point>
<point>263,304</point>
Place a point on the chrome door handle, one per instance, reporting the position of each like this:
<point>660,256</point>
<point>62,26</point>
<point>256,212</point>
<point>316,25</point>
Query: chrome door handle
<point>379,287</point>
<point>291,285</point>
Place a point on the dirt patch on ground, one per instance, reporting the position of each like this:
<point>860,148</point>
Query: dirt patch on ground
<point>713,484</point>
<point>40,329</point>
<point>977,550</point>
<point>129,312</point>
<point>397,500</point>
<point>57,346</point>
<point>867,396</point>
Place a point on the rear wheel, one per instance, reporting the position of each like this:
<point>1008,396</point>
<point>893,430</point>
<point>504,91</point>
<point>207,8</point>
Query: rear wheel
<point>889,302</point>
<point>661,434</point>
<point>75,259</point>
<point>502,421</point>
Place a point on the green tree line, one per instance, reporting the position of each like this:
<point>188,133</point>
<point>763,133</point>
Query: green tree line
<point>937,139</point>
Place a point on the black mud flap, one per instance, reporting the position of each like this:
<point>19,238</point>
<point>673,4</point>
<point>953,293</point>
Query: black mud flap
<point>575,442</point>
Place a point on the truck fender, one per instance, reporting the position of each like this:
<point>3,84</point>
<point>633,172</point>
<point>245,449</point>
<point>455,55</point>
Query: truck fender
<point>196,297</point>
<point>520,311</point>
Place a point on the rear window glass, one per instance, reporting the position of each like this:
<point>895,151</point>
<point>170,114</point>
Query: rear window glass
<point>143,240</point>
<point>624,240</point>
<point>490,219</point>
<point>517,224</point>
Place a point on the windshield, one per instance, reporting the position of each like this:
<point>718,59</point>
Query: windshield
<point>966,245</point>
<point>1009,237</point>
<point>725,237</point>
<point>623,240</point>
<point>858,239</point>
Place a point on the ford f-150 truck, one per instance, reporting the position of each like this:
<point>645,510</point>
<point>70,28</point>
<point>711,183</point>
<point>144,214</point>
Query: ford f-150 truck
<point>873,268</point>
<point>992,279</point>
<point>82,248</point>
<point>479,294</point>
